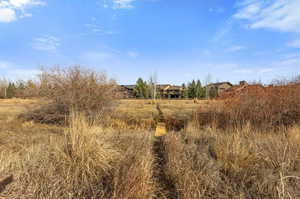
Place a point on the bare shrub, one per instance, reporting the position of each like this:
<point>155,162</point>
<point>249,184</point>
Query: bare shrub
<point>74,89</point>
<point>80,89</point>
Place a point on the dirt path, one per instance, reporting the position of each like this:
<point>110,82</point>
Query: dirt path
<point>166,187</point>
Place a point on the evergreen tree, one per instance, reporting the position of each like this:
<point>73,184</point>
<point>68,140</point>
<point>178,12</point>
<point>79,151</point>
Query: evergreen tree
<point>199,90</point>
<point>184,92</point>
<point>141,89</point>
<point>192,90</point>
<point>11,90</point>
<point>20,89</point>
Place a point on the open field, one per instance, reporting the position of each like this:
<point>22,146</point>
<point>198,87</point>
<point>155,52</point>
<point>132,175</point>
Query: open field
<point>90,161</point>
<point>171,108</point>
<point>136,113</point>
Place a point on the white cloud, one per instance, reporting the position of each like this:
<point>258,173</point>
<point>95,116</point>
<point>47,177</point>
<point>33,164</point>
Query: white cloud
<point>295,43</point>
<point>23,74</point>
<point>133,54</point>
<point>46,43</point>
<point>281,15</point>
<point>98,29</point>
<point>7,15</point>
<point>244,71</point>
<point>235,48</point>
<point>265,70</point>
<point>123,4</point>
<point>11,10</point>
<point>4,64</point>
<point>93,27</point>
<point>217,10</point>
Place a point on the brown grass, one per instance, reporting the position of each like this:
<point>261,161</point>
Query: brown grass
<point>234,164</point>
<point>82,161</point>
<point>118,160</point>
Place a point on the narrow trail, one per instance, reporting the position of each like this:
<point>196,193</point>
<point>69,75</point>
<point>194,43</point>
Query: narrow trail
<point>166,186</point>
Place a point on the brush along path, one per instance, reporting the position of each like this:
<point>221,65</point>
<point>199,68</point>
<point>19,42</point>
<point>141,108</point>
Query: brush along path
<point>166,187</point>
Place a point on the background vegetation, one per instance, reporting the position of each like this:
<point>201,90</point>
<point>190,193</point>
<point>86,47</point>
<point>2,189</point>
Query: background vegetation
<point>244,145</point>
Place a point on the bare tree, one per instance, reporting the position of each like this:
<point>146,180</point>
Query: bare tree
<point>153,85</point>
<point>208,80</point>
<point>3,88</point>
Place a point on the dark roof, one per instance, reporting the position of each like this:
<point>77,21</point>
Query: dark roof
<point>159,86</point>
<point>219,83</point>
<point>128,86</point>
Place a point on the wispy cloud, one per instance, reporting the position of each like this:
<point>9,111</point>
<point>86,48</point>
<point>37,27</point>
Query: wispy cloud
<point>93,27</point>
<point>23,74</point>
<point>46,43</point>
<point>217,10</point>
<point>223,31</point>
<point>133,54</point>
<point>295,43</point>
<point>282,15</point>
<point>98,29</point>
<point>235,49</point>
<point>5,64</point>
<point>123,4</point>
<point>11,10</point>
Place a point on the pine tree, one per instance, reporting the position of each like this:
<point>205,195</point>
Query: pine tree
<point>11,90</point>
<point>192,89</point>
<point>184,92</point>
<point>141,89</point>
<point>199,90</point>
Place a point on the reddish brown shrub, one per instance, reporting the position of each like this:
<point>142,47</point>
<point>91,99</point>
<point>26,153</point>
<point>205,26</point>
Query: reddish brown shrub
<point>263,107</point>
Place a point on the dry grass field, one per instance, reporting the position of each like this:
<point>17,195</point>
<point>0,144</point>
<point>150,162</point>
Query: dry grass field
<point>146,108</point>
<point>85,160</point>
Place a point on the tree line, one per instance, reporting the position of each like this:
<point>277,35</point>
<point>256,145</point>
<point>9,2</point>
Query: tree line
<point>191,90</point>
<point>20,89</point>
<point>143,89</point>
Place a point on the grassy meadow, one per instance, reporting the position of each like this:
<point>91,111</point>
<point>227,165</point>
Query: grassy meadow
<point>119,159</point>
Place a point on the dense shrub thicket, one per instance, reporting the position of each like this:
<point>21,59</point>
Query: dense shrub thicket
<point>262,107</point>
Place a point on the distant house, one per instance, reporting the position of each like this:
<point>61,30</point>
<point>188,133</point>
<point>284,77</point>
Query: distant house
<point>127,91</point>
<point>169,91</point>
<point>165,91</point>
<point>219,87</point>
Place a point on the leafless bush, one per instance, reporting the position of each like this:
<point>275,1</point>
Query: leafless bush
<point>74,89</point>
<point>80,89</point>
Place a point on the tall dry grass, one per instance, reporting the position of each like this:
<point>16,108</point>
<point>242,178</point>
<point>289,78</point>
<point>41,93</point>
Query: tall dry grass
<point>81,161</point>
<point>236,163</point>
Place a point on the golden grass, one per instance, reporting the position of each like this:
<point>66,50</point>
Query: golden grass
<point>247,163</point>
<point>9,108</point>
<point>80,161</point>
<point>116,160</point>
<point>146,108</point>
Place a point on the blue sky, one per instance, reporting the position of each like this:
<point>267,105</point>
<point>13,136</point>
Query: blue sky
<point>229,40</point>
